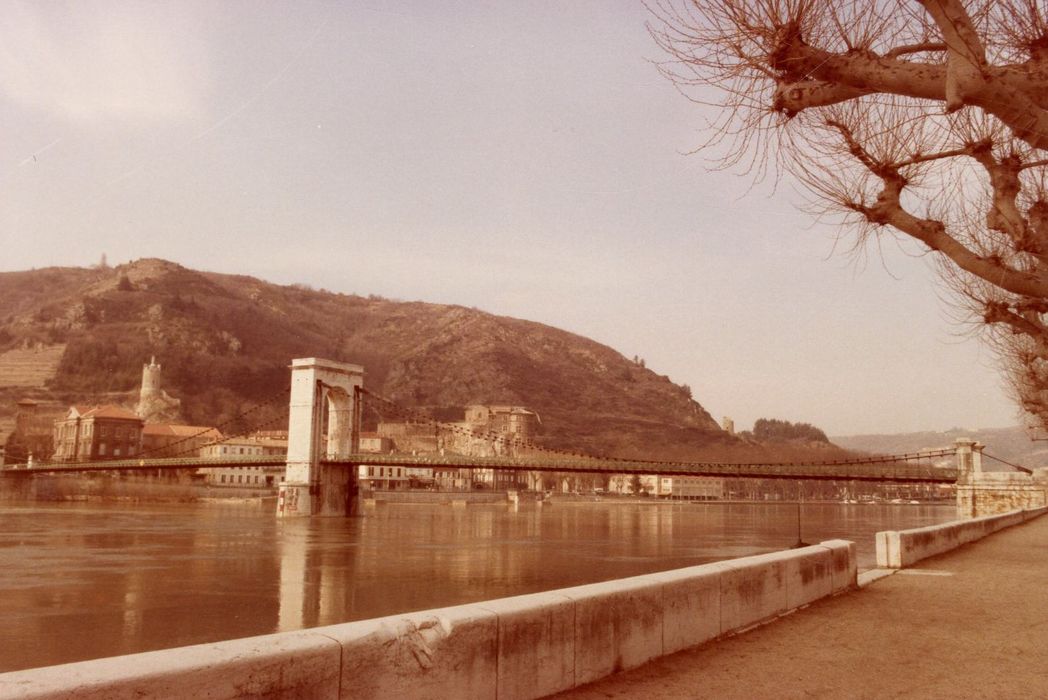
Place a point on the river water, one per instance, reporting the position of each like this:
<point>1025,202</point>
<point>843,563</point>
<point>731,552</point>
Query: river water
<point>82,581</point>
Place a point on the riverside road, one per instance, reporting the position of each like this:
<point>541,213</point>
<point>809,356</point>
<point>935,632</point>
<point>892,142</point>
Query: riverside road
<point>972,623</point>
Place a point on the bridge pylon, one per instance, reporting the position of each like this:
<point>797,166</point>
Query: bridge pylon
<point>323,401</point>
<point>982,493</point>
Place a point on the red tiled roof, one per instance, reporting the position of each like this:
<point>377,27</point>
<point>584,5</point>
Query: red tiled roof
<point>111,411</point>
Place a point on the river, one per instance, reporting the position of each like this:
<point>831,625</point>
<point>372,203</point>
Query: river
<point>81,581</point>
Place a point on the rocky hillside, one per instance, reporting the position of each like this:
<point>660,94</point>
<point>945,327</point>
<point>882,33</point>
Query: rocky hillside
<point>225,342</point>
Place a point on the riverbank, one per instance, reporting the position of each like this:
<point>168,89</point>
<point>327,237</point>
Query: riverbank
<point>172,488</point>
<point>128,488</point>
<point>968,623</point>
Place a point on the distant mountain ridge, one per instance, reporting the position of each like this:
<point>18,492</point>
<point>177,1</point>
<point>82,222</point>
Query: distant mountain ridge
<point>225,341</point>
<point>1012,444</point>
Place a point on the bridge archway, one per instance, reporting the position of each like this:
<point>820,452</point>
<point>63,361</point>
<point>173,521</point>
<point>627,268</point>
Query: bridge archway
<point>324,396</point>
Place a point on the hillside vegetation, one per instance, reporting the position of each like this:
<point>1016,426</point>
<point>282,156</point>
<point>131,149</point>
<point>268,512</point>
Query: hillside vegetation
<point>775,430</point>
<point>225,343</point>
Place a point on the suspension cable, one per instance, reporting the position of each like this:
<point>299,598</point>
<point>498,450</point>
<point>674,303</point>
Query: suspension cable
<point>271,400</point>
<point>1013,466</point>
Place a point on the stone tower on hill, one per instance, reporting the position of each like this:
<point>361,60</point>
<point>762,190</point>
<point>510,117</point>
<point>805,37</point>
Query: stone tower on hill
<point>154,404</point>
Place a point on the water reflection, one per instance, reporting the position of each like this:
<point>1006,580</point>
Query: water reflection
<point>82,581</point>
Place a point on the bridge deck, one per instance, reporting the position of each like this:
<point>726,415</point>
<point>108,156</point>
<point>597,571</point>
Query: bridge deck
<point>864,469</point>
<point>846,470</point>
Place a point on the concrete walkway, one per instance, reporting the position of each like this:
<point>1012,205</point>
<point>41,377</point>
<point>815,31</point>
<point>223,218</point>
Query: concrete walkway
<point>972,623</point>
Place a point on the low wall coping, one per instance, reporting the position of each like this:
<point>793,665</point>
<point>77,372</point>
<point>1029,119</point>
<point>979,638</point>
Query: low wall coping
<point>897,549</point>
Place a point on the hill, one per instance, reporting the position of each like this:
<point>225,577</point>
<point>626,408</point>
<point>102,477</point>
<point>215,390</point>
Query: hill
<point>225,342</point>
<point>1012,444</point>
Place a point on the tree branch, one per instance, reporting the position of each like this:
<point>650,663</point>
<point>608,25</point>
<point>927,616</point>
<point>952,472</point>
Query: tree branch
<point>915,48</point>
<point>1033,164</point>
<point>998,312</point>
<point>928,157</point>
<point>888,211</point>
<point>861,154</point>
<point>965,54</point>
<point>1004,214</point>
<point>792,98</point>
<point>932,233</point>
<point>1003,91</point>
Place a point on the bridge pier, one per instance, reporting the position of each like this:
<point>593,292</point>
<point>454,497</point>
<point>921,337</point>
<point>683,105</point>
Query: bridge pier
<point>324,402</point>
<point>989,493</point>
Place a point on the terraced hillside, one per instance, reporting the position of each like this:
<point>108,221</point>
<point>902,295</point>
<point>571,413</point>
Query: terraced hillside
<point>25,372</point>
<point>30,367</point>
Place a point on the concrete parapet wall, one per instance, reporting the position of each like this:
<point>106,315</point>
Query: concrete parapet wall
<point>899,549</point>
<point>297,664</point>
<point>1031,513</point>
<point>522,647</point>
<point>444,653</point>
<point>536,644</point>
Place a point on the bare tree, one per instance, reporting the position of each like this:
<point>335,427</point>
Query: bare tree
<point>924,119</point>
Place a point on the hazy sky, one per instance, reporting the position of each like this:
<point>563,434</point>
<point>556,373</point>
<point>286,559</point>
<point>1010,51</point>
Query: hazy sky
<point>523,158</point>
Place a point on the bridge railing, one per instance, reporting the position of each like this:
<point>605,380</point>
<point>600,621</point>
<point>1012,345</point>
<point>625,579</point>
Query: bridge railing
<point>155,463</point>
<point>858,470</point>
<point>863,469</point>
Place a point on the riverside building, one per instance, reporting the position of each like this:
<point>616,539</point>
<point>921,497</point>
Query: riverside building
<point>97,432</point>
<point>271,443</point>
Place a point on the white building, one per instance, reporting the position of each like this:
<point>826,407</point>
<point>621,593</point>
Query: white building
<point>689,488</point>
<point>388,478</point>
<point>246,476</point>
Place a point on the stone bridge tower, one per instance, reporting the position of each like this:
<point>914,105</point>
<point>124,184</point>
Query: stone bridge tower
<point>990,493</point>
<point>323,403</point>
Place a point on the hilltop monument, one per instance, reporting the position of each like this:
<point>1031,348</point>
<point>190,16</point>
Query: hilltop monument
<point>154,404</point>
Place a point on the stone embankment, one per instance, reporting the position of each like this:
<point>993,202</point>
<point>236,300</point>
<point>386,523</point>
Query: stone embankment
<point>25,487</point>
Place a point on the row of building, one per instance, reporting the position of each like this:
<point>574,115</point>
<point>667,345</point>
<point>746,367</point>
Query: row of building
<point>110,432</point>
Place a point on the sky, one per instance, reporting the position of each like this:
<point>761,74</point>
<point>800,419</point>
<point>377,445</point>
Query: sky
<point>526,159</point>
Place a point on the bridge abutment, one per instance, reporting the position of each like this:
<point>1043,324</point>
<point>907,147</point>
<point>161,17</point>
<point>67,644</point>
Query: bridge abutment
<point>322,423</point>
<point>982,493</point>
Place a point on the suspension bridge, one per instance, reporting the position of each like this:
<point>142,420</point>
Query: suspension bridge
<point>344,413</point>
<point>912,468</point>
<point>322,409</point>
